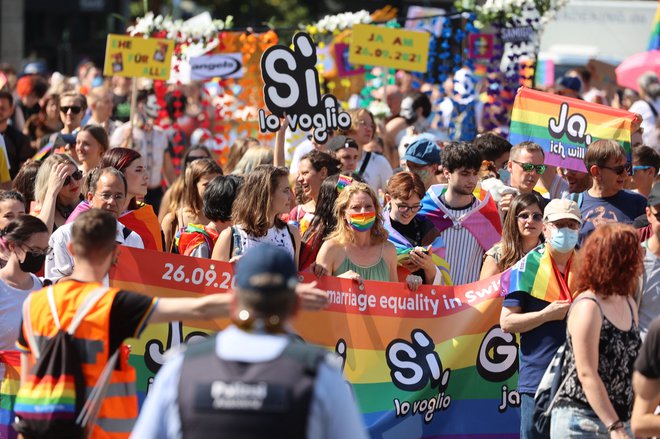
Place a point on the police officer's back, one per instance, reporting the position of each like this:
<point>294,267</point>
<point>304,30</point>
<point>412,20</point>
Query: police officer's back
<point>253,379</point>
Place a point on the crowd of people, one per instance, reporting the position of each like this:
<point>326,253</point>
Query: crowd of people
<point>393,200</point>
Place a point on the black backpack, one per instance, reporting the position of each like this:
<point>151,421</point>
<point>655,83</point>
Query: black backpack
<point>51,403</point>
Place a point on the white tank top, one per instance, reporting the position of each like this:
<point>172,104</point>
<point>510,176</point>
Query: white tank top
<point>277,237</point>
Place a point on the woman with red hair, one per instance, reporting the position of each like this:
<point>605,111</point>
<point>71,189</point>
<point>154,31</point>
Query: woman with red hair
<point>596,397</point>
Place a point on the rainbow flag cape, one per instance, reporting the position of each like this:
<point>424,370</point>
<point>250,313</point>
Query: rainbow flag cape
<point>11,362</point>
<point>144,222</point>
<point>193,236</point>
<point>565,127</point>
<point>534,275</point>
<point>483,221</point>
<point>421,364</point>
<point>404,247</point>
<point>654,41</point>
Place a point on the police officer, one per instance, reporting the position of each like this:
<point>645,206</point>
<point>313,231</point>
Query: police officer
<point>254,379</point>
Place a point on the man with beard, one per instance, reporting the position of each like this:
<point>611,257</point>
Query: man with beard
<point>468,224</point>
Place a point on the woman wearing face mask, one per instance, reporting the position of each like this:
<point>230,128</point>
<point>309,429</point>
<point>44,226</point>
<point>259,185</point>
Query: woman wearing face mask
<point>57,190</point>
<point>24,245</point>
<point>420,249</point>
<point>358,248</point>
<point>521,233</point>
<point>314,167</point>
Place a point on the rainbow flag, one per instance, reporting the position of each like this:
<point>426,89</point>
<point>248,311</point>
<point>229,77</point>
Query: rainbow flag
<point>534,275</point>
<point>456,387</point>
<point>565,127</point>
<point>193,236</point>
<point>654,41</point>
<point>144,222</point>
<point>483,221</point>
<point>10,361</point>
<point>43,152</point>
<point>404,247</point>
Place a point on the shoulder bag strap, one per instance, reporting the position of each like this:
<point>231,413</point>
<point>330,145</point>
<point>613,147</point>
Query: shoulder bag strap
<point>27,328</point>
<point>364,164</point>
<point>652,107</point>
<point>86,306</point>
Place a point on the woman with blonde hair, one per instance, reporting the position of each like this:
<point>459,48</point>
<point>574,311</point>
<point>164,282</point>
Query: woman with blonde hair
<point>262,199</point>
<point>596,396</point>
<point>358,248</point>
<point>56,190</point>
<point>198,174</point>
<point>253,158</point>
<point>237,150</point>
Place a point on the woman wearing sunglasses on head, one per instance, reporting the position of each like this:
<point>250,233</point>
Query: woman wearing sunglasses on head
<point>56,190</point>
<point>521,232</point>
<point>24,245</point>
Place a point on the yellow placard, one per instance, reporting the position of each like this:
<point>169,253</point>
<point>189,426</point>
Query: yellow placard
<point>396,48</point>
<point>138,57</point>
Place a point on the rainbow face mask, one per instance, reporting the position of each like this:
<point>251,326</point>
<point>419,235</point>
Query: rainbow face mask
<point>362,222</point>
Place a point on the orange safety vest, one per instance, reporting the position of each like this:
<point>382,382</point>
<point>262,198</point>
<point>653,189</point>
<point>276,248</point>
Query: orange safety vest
<point>119,409</point>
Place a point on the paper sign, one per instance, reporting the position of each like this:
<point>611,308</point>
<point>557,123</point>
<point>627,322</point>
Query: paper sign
<point>291,87</point>
<point>222,65</point>
<point>565,127</point>
<point>395,48</point>
<point>138,57</point>
<point>517,34</point>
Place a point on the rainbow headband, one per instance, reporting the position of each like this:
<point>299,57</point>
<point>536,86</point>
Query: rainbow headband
<point>362,222</point>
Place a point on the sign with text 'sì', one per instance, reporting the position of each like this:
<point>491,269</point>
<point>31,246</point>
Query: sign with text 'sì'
<point>291,90</point>
<point>373,45</point>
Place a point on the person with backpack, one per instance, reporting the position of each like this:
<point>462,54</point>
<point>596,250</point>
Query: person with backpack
<point>255,378</point>
<point>75,331</point>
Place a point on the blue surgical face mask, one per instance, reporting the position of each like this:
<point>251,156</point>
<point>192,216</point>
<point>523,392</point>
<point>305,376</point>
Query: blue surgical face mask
<point>563,240</point>
<point>505,175</point>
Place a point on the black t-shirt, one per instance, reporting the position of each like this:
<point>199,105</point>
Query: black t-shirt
<point>648,361</point>
<point>129,315</point>
<point>121,107</point>
<point>415,231</point>
<point>18,149</point>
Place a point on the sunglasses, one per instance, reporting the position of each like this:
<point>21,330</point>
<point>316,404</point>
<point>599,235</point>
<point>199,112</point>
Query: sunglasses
<point>640,168</point>
<point>528,167</point>
<point>78,175</point>
<point>536,217</point>
<point>656,214</point>
<point>75,109</point>
<point>620,170</point>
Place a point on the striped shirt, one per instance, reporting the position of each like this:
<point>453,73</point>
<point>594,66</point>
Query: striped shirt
<point>464,254</point>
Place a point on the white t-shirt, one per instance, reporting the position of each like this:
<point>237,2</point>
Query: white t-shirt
<point>59,262</point>
<point>378,171</point>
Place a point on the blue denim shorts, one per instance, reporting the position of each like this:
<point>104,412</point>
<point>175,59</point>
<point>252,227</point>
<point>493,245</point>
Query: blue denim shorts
<point>575,422</point>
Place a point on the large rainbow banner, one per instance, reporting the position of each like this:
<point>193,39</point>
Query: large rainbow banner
<point>429,364</point>
<point>565,127</point>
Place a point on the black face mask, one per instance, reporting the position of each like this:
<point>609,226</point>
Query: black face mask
<point>33,262</point>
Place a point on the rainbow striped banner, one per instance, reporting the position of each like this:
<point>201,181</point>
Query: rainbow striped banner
<point>429,364</point>
<point>654,40</point>
<point>565,127</point>
<point>10,365</point>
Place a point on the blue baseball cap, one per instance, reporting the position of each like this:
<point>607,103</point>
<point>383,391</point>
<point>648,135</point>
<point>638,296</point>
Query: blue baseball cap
<point>423,152</point>
<point>266,269</point>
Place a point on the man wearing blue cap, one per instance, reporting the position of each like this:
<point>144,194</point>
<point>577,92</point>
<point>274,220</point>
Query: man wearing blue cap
<point>254,379</point>
<point>423,157</point>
